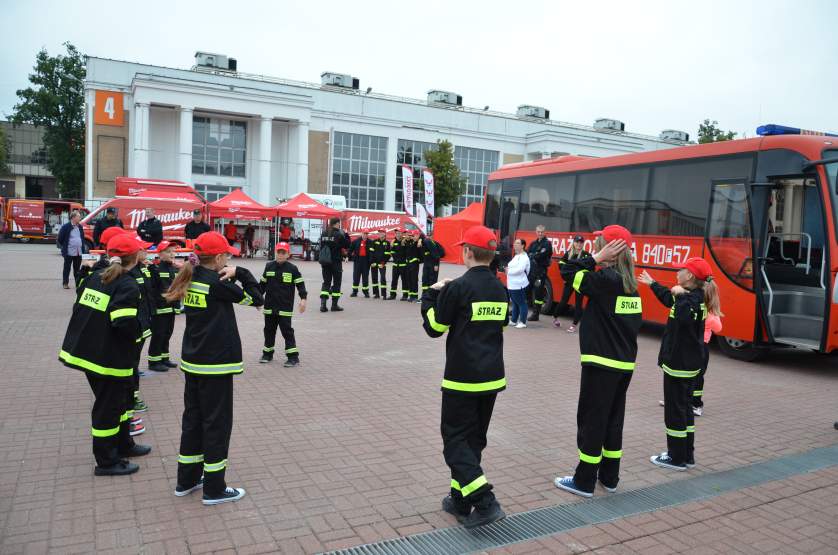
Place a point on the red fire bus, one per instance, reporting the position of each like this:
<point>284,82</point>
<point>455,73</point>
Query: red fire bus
<point>762,211</point>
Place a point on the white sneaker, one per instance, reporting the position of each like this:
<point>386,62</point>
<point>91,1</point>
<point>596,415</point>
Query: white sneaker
<point>521,325</point>
<point>698,411</point>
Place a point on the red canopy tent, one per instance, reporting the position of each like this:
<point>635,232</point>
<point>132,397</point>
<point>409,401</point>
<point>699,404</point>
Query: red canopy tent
<point>449,230</point>
<point>303,206</point>
<point>238,206</point>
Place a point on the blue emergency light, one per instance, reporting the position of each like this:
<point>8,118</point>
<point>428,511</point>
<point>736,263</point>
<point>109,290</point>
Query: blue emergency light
<point>774,129</point>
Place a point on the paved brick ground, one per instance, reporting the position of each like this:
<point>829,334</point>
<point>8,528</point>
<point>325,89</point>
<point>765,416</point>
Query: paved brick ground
<point>345,449</point>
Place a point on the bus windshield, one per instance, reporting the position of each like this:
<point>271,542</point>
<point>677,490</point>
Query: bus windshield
<point>832,175</point>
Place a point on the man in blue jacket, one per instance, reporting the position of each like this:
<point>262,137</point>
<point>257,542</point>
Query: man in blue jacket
<point>71,241</point>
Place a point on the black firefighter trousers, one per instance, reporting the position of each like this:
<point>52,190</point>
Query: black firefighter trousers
<point>465,421</point>
<point>430,275</point>
<point>205,432</point>
<point>378,274</point>
<point>110,418</point>
<point>679,418</point>
<point>361,274</point>
<point>162,326</point>
<point>283,322</point>
<point>599,420</point>
<point>332,277</point>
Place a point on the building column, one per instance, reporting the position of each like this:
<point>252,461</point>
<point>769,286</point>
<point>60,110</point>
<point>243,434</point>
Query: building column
<point>185,145</point>
<point>301,184</point>
<point>265,132</point>
<point>90,98</point>
<point>141,122</point>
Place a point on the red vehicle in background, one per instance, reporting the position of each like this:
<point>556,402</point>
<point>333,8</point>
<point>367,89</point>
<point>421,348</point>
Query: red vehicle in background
<point>357,221</point>
<point>172,201</point>
<point>35,219</point>
<point>763,212</point>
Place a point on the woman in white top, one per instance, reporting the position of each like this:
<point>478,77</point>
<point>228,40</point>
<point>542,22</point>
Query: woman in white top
<point>517,282</point>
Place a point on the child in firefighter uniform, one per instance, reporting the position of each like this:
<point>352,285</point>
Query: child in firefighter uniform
<point>146,277</point>
<point>163,319</point>
<point>681,358</point>
<point>397,255</point>
<point>608,347</point>
<point>100,342</point>
<point>379,255</point>
<point>359,253</point>
<point>473,310</point>
<point>278,282</point>
<point>211,355</point>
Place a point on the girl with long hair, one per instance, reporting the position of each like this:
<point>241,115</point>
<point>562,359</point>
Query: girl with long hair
<point>712,325</point>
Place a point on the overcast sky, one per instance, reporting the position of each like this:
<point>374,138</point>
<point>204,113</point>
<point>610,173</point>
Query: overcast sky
<point>653,65</point>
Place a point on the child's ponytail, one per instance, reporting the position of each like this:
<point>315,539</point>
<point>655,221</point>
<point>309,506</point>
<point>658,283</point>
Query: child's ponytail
<point>118,266</point>
<point>712,299</point>
<point>177,291</point>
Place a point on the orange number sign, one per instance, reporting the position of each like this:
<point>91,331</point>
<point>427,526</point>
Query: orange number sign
<point>108,110</point>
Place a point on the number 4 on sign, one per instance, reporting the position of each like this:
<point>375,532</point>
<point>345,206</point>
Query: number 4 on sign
<point>109,109</point>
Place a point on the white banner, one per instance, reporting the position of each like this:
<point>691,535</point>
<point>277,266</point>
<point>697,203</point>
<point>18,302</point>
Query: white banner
<point>422,218</point>
<point>407,188</point>
<point>428,178</point>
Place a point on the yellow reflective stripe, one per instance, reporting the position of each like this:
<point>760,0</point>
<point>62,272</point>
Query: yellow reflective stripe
<point>676,433</point>
<point>474,486</point>
<point>698,393</point>
<point>215,467</point>
<point>267,311</point>
<point>538,302</point>
<point>292,350</point>
<point>488,310</point>
<point>299,280</point>
<point>94,299</point>
<point>577,279</point>
<point>190,459</point>
<point>125,416</point>
<point>164,274</point>
<point>199,287</point>
<point>230,368</point>
<point>455,485</point>
<point>104,433</point>
<point>268,349</point>
<point>123,313</point>
<point>628,305</point>
<point>612,454</point>
<point>609,362</point>
<point>146,333</point>
<point>93,367</point>
<point>247,300</point>
<point>285,313</point>
<point>270,274</point>
<point>168,310</point>
<point>690,429</point>
<point>590,459</point>
<point>679,373</point>
<point>140,280</point>
<point>474,387</point>
<point>436,326</point>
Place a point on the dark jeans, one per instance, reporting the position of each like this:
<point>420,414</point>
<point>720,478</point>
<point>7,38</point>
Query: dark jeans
<point>559,309</point>
<point>65,275</point>
<point>519,306</point>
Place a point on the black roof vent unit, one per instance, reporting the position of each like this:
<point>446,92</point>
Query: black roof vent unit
<point>342,80</point>
<point>209,61</point>
<point>606,124</point>
<point>445,97</point>
<point>537,112</point>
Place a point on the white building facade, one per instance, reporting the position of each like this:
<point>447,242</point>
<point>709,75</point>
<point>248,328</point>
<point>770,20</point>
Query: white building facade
<point>219,130</point>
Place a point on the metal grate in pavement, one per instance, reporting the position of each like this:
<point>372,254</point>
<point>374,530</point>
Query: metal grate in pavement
<point>561,518</point>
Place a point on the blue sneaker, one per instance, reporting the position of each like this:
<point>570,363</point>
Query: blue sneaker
<point>568,484</point>
<point>665,461</point>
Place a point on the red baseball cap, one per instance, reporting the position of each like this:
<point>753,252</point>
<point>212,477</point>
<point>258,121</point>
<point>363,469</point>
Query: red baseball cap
<point>283,246</point>
<point>698,267</point>
<point>212,243</point>
<point>480,237</point>
<point>163,245</point>
<point>123,244</point>
<point>110,233</point>
<point>614,232</point>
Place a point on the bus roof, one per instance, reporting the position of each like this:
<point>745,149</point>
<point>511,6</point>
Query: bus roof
<point>807,145</point>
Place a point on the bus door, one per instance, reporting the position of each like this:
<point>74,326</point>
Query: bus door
<point>510,216</point>
<point>792,257</point>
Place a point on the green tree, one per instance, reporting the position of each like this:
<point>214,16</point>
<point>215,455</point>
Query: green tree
<point>709,132</point>
<point>449,184</point>
<point>55,102</point>
<point>4,153</point>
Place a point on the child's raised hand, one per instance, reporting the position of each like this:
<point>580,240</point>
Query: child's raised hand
<point>440,284</point>
<point>645,278</point>
<point>678,290</point>
<point>227,272</point>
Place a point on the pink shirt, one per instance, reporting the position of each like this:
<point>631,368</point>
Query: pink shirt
<point>713,324</point>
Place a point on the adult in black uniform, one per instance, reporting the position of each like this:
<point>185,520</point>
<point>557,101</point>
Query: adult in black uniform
<point>150,230</point>
<point>432,253</point>
<point>540,252</point>
<point>100,342</point>
<point>473,310</point>
<point>608,345</point>
<point>197,226</point>
<point>359,253</point>
<point>379,254</point>
<point>575,251</point>
<point>332,242</point>
<point>412,259</point>
<point>110,220</point>
<point>397,254</point>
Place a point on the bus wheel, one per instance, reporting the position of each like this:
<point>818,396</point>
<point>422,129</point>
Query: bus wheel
<point>739,350</point>
<point>547,307</point>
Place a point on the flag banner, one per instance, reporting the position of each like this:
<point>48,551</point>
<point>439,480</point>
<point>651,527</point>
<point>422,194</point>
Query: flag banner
<point>407,187</point>
<point>422,218</point>
<point>428,178</point>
